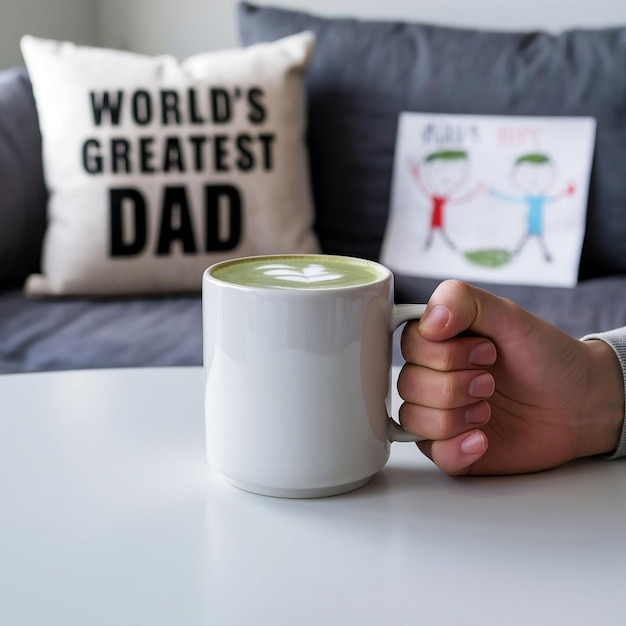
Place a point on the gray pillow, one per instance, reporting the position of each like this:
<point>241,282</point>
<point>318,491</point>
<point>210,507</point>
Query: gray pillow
<point>22,189</point>
<point>364,73</point>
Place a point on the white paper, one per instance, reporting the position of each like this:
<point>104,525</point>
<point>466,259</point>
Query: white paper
<point>489,198</point>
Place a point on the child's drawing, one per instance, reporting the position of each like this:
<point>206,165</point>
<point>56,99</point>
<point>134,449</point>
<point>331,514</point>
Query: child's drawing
<point>481,197</point>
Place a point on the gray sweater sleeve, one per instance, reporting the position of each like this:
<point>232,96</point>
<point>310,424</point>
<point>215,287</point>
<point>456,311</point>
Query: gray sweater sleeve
<point>617,340</point>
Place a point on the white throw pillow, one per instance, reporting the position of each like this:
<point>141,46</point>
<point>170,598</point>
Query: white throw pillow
<point>158,168</point>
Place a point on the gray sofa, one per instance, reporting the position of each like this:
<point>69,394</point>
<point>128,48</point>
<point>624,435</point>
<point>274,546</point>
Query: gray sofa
<point>68,333</point>
<point>363,74</point>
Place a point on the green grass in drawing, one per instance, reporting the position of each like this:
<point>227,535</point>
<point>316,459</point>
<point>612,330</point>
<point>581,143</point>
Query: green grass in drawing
<point>490,257</point>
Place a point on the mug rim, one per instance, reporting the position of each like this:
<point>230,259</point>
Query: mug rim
<point>385,273</point>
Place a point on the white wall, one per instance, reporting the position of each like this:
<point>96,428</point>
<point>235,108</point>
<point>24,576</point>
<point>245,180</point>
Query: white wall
<point>182,27</point>
<point>56,19</point>
<point>179,27</point>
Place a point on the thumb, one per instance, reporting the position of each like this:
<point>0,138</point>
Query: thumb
<point>456,307</point>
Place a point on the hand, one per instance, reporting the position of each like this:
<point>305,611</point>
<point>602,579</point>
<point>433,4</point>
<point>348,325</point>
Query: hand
<point>496,390</point>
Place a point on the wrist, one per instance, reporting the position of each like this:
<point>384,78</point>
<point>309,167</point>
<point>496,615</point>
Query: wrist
<point>602,408</point>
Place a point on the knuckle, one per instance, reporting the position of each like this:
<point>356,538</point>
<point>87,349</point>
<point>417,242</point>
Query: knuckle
<point>447,391</point>
<point>409,340</point>
<point>447,357</point>
<point>423,421</point>
<point>405,382</point>
<point>443,425</point>
<point>404,416</point>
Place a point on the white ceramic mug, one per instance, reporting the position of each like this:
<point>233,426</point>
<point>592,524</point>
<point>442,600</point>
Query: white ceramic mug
<point>297,373</point>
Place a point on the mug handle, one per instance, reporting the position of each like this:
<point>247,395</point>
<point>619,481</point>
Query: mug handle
<point>401,313</point>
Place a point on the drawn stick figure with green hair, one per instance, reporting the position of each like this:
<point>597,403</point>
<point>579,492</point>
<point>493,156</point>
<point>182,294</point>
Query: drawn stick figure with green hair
<point>440,175</point>
<point>533,174</point>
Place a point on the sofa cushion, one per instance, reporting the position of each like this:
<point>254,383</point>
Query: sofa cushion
<point>158,168</point>
<point>74,333</point>
<point>22,188</point>
<point>364,73</point>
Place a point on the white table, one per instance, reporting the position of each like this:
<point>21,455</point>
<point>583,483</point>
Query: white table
<point>110,516</point>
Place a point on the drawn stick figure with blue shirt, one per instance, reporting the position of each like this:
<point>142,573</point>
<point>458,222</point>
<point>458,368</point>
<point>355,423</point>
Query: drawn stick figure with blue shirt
<point>533,174</point>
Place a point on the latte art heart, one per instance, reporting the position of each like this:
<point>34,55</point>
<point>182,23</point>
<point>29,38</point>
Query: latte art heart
<point>312,273</point>
<point>304,272</point>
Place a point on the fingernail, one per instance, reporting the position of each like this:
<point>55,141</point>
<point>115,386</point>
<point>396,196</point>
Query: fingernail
<point>482,386</point>
<point>436,318</point>
<point>482,354</point>
<point>474,443</point>
<point>478,414</point>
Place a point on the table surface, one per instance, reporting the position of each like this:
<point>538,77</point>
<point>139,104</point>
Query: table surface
<point>109,515</point>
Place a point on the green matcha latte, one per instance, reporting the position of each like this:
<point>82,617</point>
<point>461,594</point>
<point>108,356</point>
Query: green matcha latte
<point>299,272</point>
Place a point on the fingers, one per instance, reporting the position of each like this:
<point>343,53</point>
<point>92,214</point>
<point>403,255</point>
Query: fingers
<point>443,390</point>
<point>456,307</point>
<point>445,383</point>
<point>433,423</point>
<point>440,405</point>
<point>457,455</point>
<point>453,354</point>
